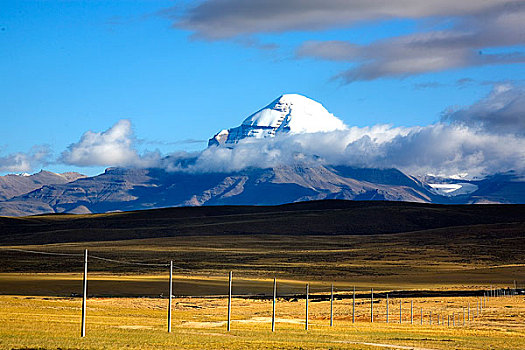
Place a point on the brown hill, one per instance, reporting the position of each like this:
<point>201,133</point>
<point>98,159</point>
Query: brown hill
<point>328,217</point>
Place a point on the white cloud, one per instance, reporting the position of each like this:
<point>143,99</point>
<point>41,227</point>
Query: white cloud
<point>113,147</point>
<point>440,148</point>
<point>24,162</point>
<point>503,111</point>
<point>221,19</point>
<point>461,46</point>
<point>472,28</point>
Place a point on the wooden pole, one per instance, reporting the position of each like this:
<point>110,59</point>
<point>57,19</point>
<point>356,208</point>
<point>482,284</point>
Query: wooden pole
<point>372,305</point>
<point>332,306</point>
<point>387,308</point>
<point>84,295</point>
<point>468,312</point>
<point>453,319</point>
<point>353,308</point>
<point>463,316</point>
<point>229,299</point>
<point>421,316</point>
<point>399,311</point>
<point>411,312</point>
<point>430,318</point>
<point>273,303</point>
<point>170,296</point>
<point>306,313</point>
<point>448,320</point>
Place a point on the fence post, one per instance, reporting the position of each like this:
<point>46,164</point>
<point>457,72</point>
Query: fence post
<point>387,308</point>
<point>399,311</point>
<point>411,312</point>
<point>421,316</point>
<point>229,299</point>
<point>353,308</point>
<point>468,312</point>
<point>273,303</point>
<point>448,320</point>
<point>430,319</point>
<point>169,298</point>
<point>332,306</point>
<point>372,305</point>
<point>306,313</point>
<point>84,295</point>
<point>463,316</point>
<point>453,319</point>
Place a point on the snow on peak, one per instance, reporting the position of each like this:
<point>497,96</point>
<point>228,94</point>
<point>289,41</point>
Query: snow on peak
<point>290,113</point>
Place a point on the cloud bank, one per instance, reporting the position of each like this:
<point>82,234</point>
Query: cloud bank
<point>477,32</point>
<point>485,138</point>
<point>113,147</point>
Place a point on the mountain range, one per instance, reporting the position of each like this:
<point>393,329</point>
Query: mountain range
<point>119,189</point>
<point>124,189</point>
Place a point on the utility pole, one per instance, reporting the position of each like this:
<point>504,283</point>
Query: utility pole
<point>411,312</point>
<point>170,296</point>
<point>84,295</point>
<point>229,299</point>
<point>353,308</point>
<point>306,320</point>
<point>399,311</point>
<point>332,307</point>
<point>372,305</point>
<point>273,304</point>
<point>387,308</point>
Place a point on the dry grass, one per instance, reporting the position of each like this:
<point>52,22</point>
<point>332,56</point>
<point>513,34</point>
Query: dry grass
<point>452,257</point>
<point>36,312</point>
<point>140,323</point>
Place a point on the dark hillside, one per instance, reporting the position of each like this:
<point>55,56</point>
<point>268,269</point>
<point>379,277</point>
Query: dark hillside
<point>329,217</point>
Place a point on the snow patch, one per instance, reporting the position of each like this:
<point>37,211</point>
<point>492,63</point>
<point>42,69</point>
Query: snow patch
<point>451,190</point>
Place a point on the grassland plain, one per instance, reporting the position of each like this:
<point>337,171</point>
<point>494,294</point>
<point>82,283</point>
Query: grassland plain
<point>436,256</point>
<point>199,323</point>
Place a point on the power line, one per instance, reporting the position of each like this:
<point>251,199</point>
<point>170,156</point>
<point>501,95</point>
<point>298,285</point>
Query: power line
<point>130,262</point>
<point>90,256</point>
<point>42,253</point>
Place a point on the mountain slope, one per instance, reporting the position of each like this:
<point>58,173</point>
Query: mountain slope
<point>130,189</point>
<point>121,189</point>
<point>13,185</point>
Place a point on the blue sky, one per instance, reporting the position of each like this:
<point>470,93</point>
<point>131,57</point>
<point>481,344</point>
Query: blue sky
<point>68,67</point>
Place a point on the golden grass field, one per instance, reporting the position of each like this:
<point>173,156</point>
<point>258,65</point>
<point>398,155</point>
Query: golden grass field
<point>199,323</point>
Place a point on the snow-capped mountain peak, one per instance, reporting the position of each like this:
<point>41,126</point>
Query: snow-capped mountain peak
<point>290,113</point>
